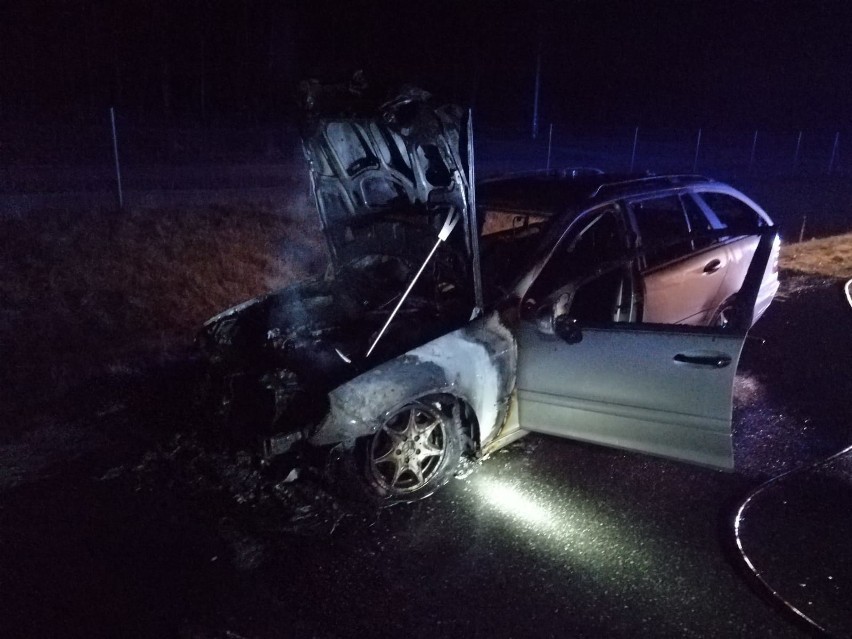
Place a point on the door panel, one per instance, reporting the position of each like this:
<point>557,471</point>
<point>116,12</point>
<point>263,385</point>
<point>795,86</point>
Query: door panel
<point>660,389</point>
<point>632,387</point>
<point>739,255</point>
<point>686,292</point>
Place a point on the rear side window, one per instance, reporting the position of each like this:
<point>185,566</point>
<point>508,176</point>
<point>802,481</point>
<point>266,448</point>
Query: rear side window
<point>663,228</point>
<point>734,214</point>
<point>702,230</point>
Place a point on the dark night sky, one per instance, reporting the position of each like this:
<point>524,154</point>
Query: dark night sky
<point>680,63</point>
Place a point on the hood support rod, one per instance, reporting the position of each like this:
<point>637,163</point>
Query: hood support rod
<point>449,225</point>
<point>473,218</point>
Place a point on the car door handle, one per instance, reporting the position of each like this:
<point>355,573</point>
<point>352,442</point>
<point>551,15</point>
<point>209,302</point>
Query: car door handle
<point>710,360</point>
<point>712,266</point>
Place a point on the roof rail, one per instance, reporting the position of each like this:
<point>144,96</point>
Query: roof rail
<point>577,171</point>
<point>663,180</point>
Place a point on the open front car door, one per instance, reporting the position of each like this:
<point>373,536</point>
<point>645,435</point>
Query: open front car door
<point>603,376</point>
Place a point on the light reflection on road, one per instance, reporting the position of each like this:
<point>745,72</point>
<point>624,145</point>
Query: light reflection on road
<point>562,524</point>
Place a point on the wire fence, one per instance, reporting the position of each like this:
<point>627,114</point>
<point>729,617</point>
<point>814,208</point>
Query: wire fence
<point>636,149</point>
<point>70,152</point>
<point>55,158</point>
<point>799,173</point>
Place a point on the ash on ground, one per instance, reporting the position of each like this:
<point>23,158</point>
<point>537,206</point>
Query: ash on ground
<point>247,496</point>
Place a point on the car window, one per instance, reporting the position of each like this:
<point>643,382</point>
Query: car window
<point>733,214</point>
<point>663,229</point>
<point>590,264</point>
<point>700,227</point>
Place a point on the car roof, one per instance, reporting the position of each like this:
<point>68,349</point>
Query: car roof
<point>552,192</point>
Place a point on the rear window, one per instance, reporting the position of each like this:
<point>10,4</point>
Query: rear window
<point>734,214</point>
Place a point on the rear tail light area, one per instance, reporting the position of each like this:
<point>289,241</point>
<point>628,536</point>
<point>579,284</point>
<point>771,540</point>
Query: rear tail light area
<point>776,252</point>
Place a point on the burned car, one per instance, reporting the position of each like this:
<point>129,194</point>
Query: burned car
<point>608,309</point>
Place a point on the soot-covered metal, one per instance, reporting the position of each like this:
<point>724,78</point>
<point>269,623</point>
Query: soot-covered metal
<point>403,357</point>
<point>386,174</point>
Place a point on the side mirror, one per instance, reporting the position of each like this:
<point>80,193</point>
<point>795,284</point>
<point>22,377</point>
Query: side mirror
<point>564,325</point>
<point>555,319</point>
<point>544,320</point>
<point>568,328</point>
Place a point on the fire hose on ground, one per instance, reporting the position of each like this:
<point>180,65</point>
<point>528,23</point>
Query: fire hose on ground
<point>738,519</point>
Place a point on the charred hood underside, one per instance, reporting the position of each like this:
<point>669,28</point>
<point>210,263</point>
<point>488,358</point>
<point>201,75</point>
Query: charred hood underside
<point>386,174</point>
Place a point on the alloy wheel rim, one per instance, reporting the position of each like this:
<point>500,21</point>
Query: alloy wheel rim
<point>408,450</point>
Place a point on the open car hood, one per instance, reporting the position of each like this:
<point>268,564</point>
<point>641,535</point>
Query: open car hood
<point>387,172</point>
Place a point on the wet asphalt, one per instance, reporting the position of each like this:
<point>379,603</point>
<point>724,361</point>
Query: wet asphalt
<point>113,527</point>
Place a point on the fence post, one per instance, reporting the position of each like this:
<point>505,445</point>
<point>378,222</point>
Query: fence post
<point>115,155</point>
<point>796,154</point>
<point>537,88</point>
<point>833,152</point>
<point>549,144</point>
<point>753,150</point>
<point>633,155</point>
<point>697,148</point>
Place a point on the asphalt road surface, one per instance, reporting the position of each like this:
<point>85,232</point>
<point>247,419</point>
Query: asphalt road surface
<point>113,525</point>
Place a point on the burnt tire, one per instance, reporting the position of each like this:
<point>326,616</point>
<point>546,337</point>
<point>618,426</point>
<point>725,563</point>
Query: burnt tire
<point>415,452</point>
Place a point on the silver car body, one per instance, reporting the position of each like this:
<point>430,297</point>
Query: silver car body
<point>636,349</point>
<point>711,276</point>
<point>661,386</point>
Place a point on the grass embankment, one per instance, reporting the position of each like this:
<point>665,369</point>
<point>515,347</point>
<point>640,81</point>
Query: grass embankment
<point>84,292</point>
<point>828,256</point>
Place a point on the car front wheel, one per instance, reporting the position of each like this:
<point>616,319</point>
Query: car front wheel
<point>414,453</point>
